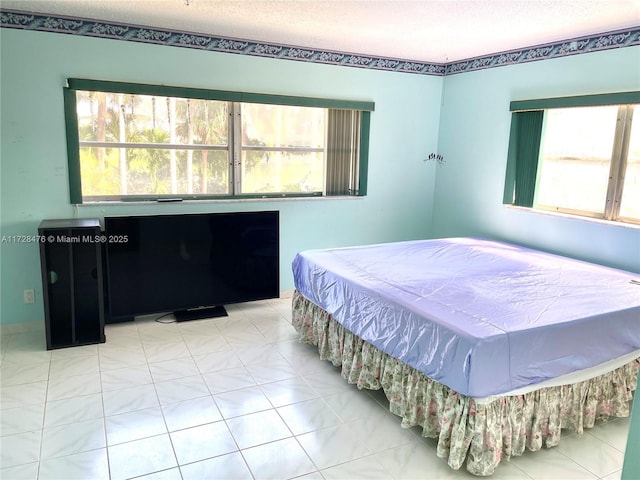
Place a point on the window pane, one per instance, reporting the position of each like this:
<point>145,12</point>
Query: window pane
<point>575,158</point>
<point>153,172</point>
<point>282,126</point>
<point>630,203</point>
<point>118,117</point>
<point>290,172</point>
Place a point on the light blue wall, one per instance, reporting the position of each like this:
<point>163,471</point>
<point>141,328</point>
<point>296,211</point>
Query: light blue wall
<point>465,118</point>
<point>474,134</point>
<point>33,173</point>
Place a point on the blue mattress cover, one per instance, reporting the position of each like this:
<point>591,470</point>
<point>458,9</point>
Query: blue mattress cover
<point>480,316</point>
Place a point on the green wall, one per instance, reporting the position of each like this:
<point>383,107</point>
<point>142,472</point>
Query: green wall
<point>631,468</point>
<point>33,174</point>
<point>474,135</point>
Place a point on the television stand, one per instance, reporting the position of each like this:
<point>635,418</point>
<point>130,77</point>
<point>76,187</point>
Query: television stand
<point>200,313</point>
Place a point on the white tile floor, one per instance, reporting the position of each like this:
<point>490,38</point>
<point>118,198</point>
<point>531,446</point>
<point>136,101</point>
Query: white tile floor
<point>233,397</point>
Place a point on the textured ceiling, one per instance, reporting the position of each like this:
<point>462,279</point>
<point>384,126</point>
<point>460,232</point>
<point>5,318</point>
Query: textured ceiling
<point>436,31</point>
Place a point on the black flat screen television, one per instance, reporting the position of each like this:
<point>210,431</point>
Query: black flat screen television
<point>186,263</point>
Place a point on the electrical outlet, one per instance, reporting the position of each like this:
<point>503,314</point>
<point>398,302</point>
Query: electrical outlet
<point>29,295</point>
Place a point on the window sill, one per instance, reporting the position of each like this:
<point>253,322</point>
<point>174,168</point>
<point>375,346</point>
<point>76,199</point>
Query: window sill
<point>609,223</point>
<point>120,203</point>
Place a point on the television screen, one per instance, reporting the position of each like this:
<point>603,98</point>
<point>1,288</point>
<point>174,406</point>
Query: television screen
<point>166,263</point>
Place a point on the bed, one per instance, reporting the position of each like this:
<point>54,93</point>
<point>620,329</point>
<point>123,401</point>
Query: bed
<point>491,348</point>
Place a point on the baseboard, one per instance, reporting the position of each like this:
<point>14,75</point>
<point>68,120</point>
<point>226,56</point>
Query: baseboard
<point>22,327</point>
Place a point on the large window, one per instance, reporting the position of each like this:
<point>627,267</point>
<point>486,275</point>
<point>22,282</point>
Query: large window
<point>577,155</point>
<point>129,142</point>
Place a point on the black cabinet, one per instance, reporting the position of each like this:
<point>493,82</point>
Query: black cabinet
<point>71,262</point>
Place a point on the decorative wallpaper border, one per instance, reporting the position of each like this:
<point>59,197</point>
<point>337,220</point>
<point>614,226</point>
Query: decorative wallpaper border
<point>575,46</point>
<point>135,33</point>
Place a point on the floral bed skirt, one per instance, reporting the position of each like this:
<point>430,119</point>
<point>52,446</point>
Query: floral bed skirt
<point>482,434</point>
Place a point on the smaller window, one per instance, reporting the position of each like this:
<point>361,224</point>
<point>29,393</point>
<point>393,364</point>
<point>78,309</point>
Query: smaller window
<point>582,159</point>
